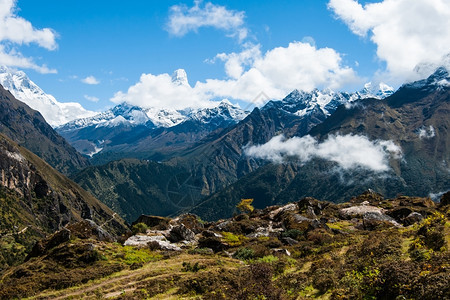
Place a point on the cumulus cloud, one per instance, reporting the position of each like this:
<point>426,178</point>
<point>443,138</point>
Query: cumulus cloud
<point>348,151</point>
<point>91,98</point>
<point>183,19</point>
<point>15,30</point>
<point>250,73</point>
<point>90,80</point>
<point>406,33</point>
<point>426,133</point>
<point>160,91</point>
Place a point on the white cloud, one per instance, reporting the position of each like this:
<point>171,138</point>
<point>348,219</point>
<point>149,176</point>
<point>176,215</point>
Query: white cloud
<point>426,133</point>
<point>348,151</point>
<point>91,98</point>
<point>183,19</point>
<point>250,73</point>
<point>406,33</point>
<point>15,30</point>
<point>160,92</point>
<point>90,80</point>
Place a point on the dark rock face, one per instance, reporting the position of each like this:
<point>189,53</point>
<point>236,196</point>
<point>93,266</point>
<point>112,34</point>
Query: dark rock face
<point>46,199</point>
<point>413,218</point>
<point>445,199</point>
<point>43,246</point>
<point>180,233</point>
<point>28,128</point>
<point>89,229</point>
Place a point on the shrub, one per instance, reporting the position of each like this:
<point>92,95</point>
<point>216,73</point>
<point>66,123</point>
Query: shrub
<point>292,233</point>
<point>139,228</point>
<point>244,254</point>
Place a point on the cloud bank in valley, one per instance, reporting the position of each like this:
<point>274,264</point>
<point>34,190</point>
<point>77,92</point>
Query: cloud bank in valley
<point>348,151</point>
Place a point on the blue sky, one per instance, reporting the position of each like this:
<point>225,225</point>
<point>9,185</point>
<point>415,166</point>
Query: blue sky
<point>113,42</point>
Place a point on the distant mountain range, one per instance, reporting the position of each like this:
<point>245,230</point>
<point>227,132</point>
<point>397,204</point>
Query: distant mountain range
<point>197,160</point>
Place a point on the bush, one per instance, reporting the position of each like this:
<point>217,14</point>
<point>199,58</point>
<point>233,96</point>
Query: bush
<point>292,233</point>
<point>139,228</point>
<point>244,254</point>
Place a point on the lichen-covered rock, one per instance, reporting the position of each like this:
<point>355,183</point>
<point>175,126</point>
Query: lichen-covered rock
<point>372,220</point>
<point>359,211</point>
<point>180,233</point>
<point>144,240</point>
<point>413,218</point>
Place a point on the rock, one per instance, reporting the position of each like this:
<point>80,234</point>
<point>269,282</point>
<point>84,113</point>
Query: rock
<point>281,251</point>
<point>209,233</point>
<point>268,230</point>
<point>413,218</point>
<point>180,233</point>
<point>214,243</point>
<point>144,240</point>
<point>88,229</point>
<point>416,201</point>
<point>277,212</point>
<point>191,221</point>
<point>369,196</point>
<point>43,246</point>
<point>222,225</point>
<point>445,199</point>
<point>400,213</point>
<point>310,212</point>
<point>153,222</point>
<point>314,206</point>
<point>358,211</point>
<point>372,220</point>
<point>289,241</point>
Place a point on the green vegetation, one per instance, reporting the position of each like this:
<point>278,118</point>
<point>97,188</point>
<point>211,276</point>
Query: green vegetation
<point>334,258</point>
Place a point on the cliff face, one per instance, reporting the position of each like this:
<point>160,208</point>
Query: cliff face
<point>36,200</point>
<point>28,128</point>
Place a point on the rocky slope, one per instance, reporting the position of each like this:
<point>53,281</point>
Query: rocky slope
<point>369,247</point>
<point>28,128</point>
<point>36,200</point>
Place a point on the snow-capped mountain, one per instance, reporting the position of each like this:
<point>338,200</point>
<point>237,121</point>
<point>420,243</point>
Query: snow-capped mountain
<point>128,115</point>
<point>303,103</point>
<point>54,112</point>
<point>122,114</point>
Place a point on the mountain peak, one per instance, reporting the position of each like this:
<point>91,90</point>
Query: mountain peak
<point>25,90</point>
<point>179,77</point>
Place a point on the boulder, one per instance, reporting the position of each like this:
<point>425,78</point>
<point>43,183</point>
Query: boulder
<point>416,201</point>
<point>413,218</point>
<point>279,211</point>
<point>191,221</point>
<point>372,220</point>
<point>89,229</point>
<point>146,241</point>
<point>400,213</point>
<point>153,222</point>
<point>180,233</point>
<point>289,241</point>
<point>214,243</point>
<point>312,206</point>
<point>359,211</point>
<point>369,196</point>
